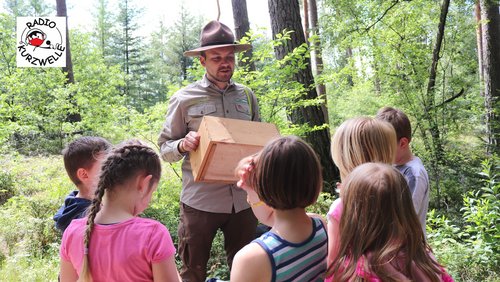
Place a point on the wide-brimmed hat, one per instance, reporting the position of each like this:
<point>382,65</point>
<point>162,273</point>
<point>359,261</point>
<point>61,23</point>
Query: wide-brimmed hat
<point>216,35</point>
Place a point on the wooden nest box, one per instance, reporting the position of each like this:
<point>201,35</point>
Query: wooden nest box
<point>223,143</point>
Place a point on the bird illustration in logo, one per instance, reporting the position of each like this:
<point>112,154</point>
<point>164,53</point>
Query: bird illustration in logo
<point>35,37</point>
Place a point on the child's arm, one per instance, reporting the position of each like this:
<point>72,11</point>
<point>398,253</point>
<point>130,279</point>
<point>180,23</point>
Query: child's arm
<point>251,264</point>
<point>67,272</point>
<point>333,230</point>
<point>333,240</point>
<point>420,192</point>
<point>166,270</point>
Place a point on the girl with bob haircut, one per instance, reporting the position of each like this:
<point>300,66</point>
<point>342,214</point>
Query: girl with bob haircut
<point>281,181</point>
<point>381,239</point>
<point>113,243</point>
<point>357,141</point>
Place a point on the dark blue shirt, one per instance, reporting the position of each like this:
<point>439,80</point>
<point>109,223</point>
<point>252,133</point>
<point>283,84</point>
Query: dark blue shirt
<point>73,208</point>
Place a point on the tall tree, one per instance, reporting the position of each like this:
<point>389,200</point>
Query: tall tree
<point>68,70</point>
<point>392,45</point>
<point>39,8</point>
<point>167,46</point>
<point>62,12</point>
<point>103,27</point>
<point>285,14</point>
<point>241,27</point>
<point>32,8</point>
<point>317,58</point>
<point>430,102</point>
<point>490,66</point>
<point>305,7</point>
<point>129,55</point>
<point>479,42</point>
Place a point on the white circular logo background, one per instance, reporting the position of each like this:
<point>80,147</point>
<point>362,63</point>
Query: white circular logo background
<point>41,42</point>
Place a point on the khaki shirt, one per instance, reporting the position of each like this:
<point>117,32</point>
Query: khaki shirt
<point>185,111</point>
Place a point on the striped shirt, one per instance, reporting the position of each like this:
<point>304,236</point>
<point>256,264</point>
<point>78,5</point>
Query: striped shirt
<point>304,261</point>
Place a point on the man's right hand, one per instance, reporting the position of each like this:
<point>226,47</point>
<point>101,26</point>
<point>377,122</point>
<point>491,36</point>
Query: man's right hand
<point>190,142</point>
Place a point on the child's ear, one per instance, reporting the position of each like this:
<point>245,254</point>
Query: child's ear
<point>404,142</point>
<point>82,174</point>
<point>145,182</point>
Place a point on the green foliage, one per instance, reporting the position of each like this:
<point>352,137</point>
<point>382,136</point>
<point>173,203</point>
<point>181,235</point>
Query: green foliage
<point>164,205</point>
<point>322,205</point>
<point>217,266</point>
<point>482,216</point>
<point>470,251</point>
<point>129,53</point>
<point>375,54</point>
<point>166,48</point>
<point>29,243</point>
<point>379,54</point>
<point>276,90</point>
<point>7,190</point>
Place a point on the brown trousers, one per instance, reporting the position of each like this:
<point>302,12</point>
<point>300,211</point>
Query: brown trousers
<point>197,230</point>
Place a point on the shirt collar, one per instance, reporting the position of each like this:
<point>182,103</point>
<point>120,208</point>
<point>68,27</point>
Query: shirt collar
<point>207,83</point>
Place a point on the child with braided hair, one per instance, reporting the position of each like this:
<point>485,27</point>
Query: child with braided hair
<point>112,243</point>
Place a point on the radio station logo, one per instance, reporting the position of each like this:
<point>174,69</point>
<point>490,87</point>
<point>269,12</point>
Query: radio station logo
<point>41,42</point>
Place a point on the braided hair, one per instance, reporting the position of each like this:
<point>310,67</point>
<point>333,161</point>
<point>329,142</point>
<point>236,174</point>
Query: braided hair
<point>123,163</point>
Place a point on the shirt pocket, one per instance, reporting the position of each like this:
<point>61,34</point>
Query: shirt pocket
<point>197,111</point>
<point>242,109</point>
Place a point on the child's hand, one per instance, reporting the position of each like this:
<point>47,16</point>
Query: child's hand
<point>245,166</point>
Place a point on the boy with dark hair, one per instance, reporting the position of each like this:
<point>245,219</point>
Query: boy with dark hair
<point>82,160</point>
<point>408,164</point>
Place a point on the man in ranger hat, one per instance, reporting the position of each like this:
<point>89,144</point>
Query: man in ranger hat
<point>207,207</point>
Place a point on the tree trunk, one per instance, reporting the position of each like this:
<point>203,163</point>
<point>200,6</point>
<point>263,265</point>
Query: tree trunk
<point>285,14</point>
<point>479,39</point>
<point>62,12</point>
<point>348,56</point>
<point>429,104</point>
<point>126,29</point>
<point>241,27</point>
<point>490,25</point>
<point>70,78</point>
<point>317,58</point>
<point>184,59</point>
<point>103,27</point>
<point>306,21</point>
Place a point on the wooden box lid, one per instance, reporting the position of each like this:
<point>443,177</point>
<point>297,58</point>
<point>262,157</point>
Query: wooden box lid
<point>223,143</point>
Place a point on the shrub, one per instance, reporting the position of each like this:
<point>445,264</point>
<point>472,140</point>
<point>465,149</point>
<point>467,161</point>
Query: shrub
<point>482,216</point>
<point>6,186</point>
<point>471,252</point>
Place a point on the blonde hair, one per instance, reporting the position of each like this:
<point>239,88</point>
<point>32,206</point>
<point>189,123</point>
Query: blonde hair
<point>376,198</point>
<point>122,164</point>
<point>361,140</point>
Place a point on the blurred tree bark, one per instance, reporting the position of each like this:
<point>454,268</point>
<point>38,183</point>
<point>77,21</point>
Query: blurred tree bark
<point>317,58</point>
<point>70,78</point>
<point>285,14</point>
<point>241,27</point>
<point>489,59</point>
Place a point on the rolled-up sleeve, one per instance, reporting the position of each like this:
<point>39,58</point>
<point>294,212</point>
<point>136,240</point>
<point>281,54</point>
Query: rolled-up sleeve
<point>174,130</point>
